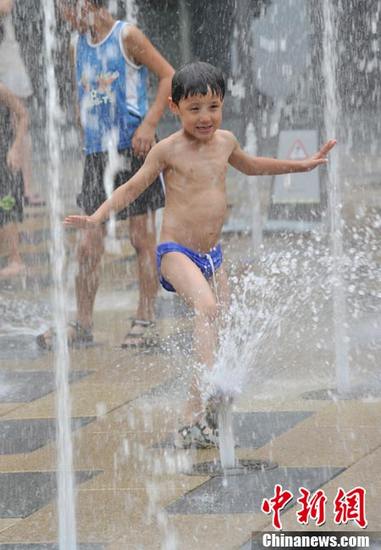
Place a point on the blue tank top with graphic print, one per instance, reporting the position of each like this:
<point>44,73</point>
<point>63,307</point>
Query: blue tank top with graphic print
<point>112,92</point>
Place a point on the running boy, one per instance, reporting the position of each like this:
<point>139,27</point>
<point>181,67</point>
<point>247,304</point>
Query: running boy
<point>111,62</point>
<point>12,136</point>
<point>194,161</point>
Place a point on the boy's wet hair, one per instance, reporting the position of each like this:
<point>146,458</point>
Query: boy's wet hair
<point>197,78</point>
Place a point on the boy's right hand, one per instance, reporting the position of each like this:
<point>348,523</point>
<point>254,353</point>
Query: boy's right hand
<point>80,222</point>
<point>14,158</point>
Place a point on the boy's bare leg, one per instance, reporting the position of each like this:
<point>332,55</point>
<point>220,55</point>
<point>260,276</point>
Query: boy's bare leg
<point>190,283</point>
<point>9,234</point>
<point>143,239</point>
<point>90,252</point>
<point>222,293</point>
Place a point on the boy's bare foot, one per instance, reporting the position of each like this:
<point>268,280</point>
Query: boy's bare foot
<point>141,334</point>
<point>13,269</point>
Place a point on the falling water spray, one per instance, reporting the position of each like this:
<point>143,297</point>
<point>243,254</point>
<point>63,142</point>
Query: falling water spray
<point>331,120</point>
<point>65,481</point>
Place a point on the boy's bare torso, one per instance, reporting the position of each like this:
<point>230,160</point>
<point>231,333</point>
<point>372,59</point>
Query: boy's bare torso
<point>194,176</point>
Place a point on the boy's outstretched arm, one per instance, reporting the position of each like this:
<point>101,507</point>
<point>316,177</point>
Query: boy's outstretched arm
<point>126,193</point>
<point>259,166</point>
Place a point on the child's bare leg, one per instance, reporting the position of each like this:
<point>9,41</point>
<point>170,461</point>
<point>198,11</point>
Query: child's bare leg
<point>89,255</point>
<point>9,234</point>
<point>222,293</point>
<point>189,283</point>
<point>26,166</point>
<point>86,284</point>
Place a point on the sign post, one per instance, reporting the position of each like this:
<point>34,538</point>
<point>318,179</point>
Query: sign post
<point>296,199</point>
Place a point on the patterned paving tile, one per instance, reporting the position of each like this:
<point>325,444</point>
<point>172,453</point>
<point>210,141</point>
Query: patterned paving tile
<point>244,494</point>
<point>19,347</point>
<point>23,493</point>
<point>24,436</point>
<point>25,386</point>
<point>254,430</point>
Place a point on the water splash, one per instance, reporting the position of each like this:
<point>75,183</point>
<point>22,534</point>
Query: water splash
<point>115,163</point>
<point>226,434</point>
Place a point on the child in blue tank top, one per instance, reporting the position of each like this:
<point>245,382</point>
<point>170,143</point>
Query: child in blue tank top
<point>112,90</point>
<point>112,59</point>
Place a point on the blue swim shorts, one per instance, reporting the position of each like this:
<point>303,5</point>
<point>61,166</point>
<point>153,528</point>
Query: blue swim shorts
<point>207,263</point>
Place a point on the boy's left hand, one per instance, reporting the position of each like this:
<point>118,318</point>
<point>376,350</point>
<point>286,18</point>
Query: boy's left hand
<point>320,157</point>
<point>143,139</point>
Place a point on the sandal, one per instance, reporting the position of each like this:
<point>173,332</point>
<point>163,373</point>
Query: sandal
<point>197,436</point>
<point>143,337</point>
<point>78,335</point>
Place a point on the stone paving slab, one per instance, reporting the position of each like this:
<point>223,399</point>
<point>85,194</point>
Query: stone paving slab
<point>6,523</point>
<point>214,532</point>
<point>101,516</point>
<point>347,414</point>
<point>27,386</point>
<point>19,347</point>
<point>25,492</point>
<point>25,436</point>
<point>244,494</point>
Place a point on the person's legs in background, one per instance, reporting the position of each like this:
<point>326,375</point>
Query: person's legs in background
<point>30,198</point>
<point>143,239</point>
<point>10,237</point>
<point>89,255</point>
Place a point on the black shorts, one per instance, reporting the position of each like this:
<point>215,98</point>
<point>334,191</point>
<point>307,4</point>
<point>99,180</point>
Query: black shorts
<point>11,196</point>
<point>93,192</point>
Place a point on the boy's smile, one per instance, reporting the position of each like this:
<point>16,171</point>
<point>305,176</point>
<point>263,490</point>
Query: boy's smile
<point>200,115</point>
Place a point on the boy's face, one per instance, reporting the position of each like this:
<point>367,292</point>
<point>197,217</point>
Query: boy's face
<point>78,14</point>
<point>200,115</point>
